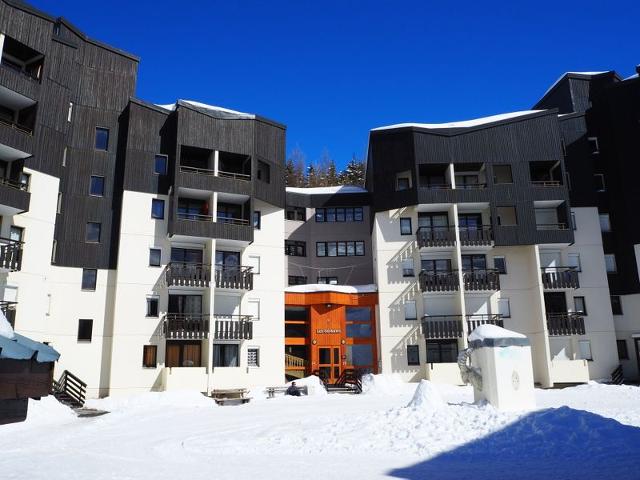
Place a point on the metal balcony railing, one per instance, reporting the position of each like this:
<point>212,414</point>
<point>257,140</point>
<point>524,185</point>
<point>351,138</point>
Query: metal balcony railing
<point>442,327</point>
<point>234,277</point>
<point>565,323</point>
<point>488,279</point>
<point>233,327</point>
<point>475,320</point>
<point>178,274</point>
<point>10,254</point>
<point>436,237</point>
<point>476,236</point>
<point>560,277</point>
<point>437,281</point>
<point>185,326</point>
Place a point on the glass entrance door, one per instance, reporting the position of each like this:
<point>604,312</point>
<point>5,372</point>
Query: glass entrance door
<point>329,363</point>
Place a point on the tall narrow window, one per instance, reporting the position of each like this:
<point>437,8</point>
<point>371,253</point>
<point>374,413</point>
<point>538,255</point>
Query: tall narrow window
<point>264,172</point>
<point>96,186</point>
<point>500,264</point>
<point>157,209</point>
<point>610,263</point>
<point>407,267</point>
<point>605,222</point>
<point>594,145</point>
<point>59,205</point>
<point>102,138</point>
<point>256,220</point>
<point>574,225</point>
<point>89,278</point>
<point>623,353</point>
<point>584,349</point>
<point>152,306</point>
<point>580,305</point>
<point>504,308</point>
<point>405,226</point>
<point>598,182</point>
<point>85,330</point>
<point>70,112</point>
<point>253,357</point>
<point>160,165</point>
<point>64,157</point>
<point>616,305</point>
<point>149,356</point>
<point>413,355</point>
<point>574,261</point>
<point>155,257</point>
<point>410,312</point>
<point>253,308</point>
<point>93,232</point>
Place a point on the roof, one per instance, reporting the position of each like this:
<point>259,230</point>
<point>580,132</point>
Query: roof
<point>327,190</point>
<point>477,122</point>
<point>322,287</point>
<point>578,75</point>
<point>18,347</point>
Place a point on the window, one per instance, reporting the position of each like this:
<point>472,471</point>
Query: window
<point>413,355</point>
<point>155,257</point>
<point>25,180</point>
<point>64,157</point>
<point>160,165</point>
<point>340,249</point>
<point>328,280</point>
<point>502,174</point>
<point>85,328</point>
<point>297,280</point>
<point>89,277</point>
<point>257,219</point>
<point>442,351</point>
<point>405,226</point>
<point>295,248</point>
<point>407,267</point>
<point>297,213</point>
<point>59,205</point>
<point>410,312</point>
<point>339,214</point>
<point>402,183</point>
<point>149,356</point>
<point>253,357</point>
<point>253,308</point>
<point>358,322</point>
<point>476,262</point>
<point>616,305</point>
<point>605,222</point>
<point>500,264</point>
<point>598,182</point>
<point>584,349</point>
<point>574,261</point>
<point>152,306</point>
<point>96,186</point>
<point>157,208</point>
<point>593,145</point>
<point>580,305</point>
<point>16,233</point>
<point>70,111</point>
<point>264,172</point>
<point>610,262</point>
<point>507,216</point>
<point>102,138</point>
<point>183,353</point>
<point>574,225</point>
<point>54,248</point>
<point>623,353</point>
<point>504,308</point>
<point>225,355</point>
<point>321,249</point>
<point>93,232</point>
<point>254,262</point>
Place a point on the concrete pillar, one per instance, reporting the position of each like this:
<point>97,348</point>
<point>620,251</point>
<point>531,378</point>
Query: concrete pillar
<point>216,160</point>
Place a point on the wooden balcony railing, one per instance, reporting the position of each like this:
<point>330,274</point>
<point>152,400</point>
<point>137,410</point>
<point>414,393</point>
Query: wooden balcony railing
<point>476,236</point>
<point>9,310</point>
<point>474,321</point>
<point>488,279</point>
<point>233,327</point>
<point>565,323</point>
<point>10,254</point>
<point>185,326</point>
<point>178,274</point>
<point>560,277</point>
<point>442,327</point>
<point>291,361</point>
<point>234,277</point>
<point>435,237</point>
<point>435,281</point>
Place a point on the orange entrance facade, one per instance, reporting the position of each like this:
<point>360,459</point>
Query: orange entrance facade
<point>327,333</point>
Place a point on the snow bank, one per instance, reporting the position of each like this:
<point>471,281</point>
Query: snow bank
<point>5,328</point>
<point>463,124</point>
<point>153,400</point>
<point>493,331</point>
<point>382,384</point>
<point>427,397</point>
<point>327,190</point>
<point>47,411</point>
<point>323,287</point>
<point>313,384</point>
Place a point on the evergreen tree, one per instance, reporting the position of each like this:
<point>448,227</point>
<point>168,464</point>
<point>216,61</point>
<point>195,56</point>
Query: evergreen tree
<point>312,177</point>
<point>288,173</point>
<point>332,174</point>
<point>295,168</point>
<point>353,174</point>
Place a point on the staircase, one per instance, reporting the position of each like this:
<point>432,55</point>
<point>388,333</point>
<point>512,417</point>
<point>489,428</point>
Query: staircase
<point>348,382</point>
<point>70,390</point>
<point>617,377</point>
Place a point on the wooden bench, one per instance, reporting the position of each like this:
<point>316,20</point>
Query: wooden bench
<point>232,396</point>
<point>271,391</point>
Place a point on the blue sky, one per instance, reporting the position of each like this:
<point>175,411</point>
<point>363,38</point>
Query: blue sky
<point>332,70</point>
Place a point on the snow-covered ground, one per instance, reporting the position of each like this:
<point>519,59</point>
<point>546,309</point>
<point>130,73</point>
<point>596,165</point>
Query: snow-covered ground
<point>585,432</point>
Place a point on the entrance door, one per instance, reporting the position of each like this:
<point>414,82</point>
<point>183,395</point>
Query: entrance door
<point>329,363</point>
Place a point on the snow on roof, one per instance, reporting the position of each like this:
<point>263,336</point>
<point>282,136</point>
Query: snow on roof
<point>327,190</point>
<point>493,331</point>
<point>23,348</point>
<point>462,124</point>
<point>6,330</point>
<point>572,73</point>
<point>635,75</point>
<point>321,287</point>
<point>213,108</point>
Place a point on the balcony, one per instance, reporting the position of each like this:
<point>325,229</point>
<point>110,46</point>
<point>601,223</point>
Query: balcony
<point>476,236</point>
<point>10,254</point>
<point>428,237</point>
<point>438,281</point>
<point>442,327</point>
<point>560,277</point>
<point>234,277</point>
<point>474,321</point>
<point>545,173</point>
<point>233,327</point>
<point>178,274</point>
<point>208,170</point>
<point>185,326</point>
<point>22,59</point>
<point>565,323</point>
<point>478,280</point>
<point>9,311</point>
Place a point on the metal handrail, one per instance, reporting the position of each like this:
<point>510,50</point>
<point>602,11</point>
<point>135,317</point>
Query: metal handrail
<point>195,217</point>
<point>232,220</point>
<point>546,183</point>
<point>16,69</point>
<point>471,186</point>
<point>13,184</point>
<point>234,175</point>
<point>437,186</point>
<point>199,171</point>
<point>551,226</point>
<point>16,126</point>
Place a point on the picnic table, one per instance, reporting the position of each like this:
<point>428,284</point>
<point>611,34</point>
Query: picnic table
<point>231,396</point>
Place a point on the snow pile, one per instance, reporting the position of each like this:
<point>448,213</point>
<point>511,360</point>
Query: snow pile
<point>327,190</point>
<point>427,397</point>
<point>324,287</point>
<point>493,331</point>
<point>382,384</point>
<point>47,411</point>
<point>5,328</point>
<point>152,400</point>
<point>463,124</point>
<point>313,384</point>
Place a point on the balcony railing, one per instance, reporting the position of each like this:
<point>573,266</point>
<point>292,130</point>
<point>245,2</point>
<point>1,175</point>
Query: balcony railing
<point>471,186</point>
<point>560,277</point>
<point>233,327</point>
<point>9,310</point>
<point>185,326</point>
<point>291,361</point>
<point>565,323</point>
<point>234,175</point>
<point>435,237</point>
<point>232,220</point>
<point>10,254</point>
<point>5,62</point>
<point>436,186</point>
<point>197,217</point>
<point>435,281</point>
<point>488,279</point>
<point>476,236</point>
<point>546,183</point>
<point>187,274</point>
<point>474,321</point>
<point>442,327</point>
<point>196,170</point>
<point>551,226</point>
<point>13,184</point>
<point>17,126</point>
<point>234,277</point>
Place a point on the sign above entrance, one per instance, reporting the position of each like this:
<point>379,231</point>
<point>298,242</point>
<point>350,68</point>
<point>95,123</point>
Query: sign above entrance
<point>320,331</point>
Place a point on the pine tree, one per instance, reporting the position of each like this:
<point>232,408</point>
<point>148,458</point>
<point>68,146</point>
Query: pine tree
<point>288,173</point>
<point>312,178</point>
<point>332,174</point>
<point>353,174</point>
<point>295,168</point>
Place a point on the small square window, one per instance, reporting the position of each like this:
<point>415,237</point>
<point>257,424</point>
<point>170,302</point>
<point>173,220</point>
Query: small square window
<point>253,357</point>
<point>598,182</point>
<point>610,263</point>
<point>504,309</point>
<point>407,267</point>
<point>160,165</point>
<point>616,305</point>
<point>623,353</point>
<point>152,306</point>
<point>405,226</point>
<point>502,174</point>
<point>254,262</point>
<point>500,264</point>
<point>413,355</point>
<point>157,209</point>
<point>253,307</point>
<point>605,222</point>
<point>25,180</point>
<point>256,220</point>
<point>410,312</point>
<point>264,172</point>
<point>93,232</point>
<point>89,277</point>
<point>574,261</point>
<point>96,186</point>
<point>507,216</point>
<point>580,305</point>
<point>85,328</point>
<point>321,249</point>
<point>403,183</point>
<point>155,257</point>
<point>102,138</point>
<point>584,349</point>
<point>149,356</point>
